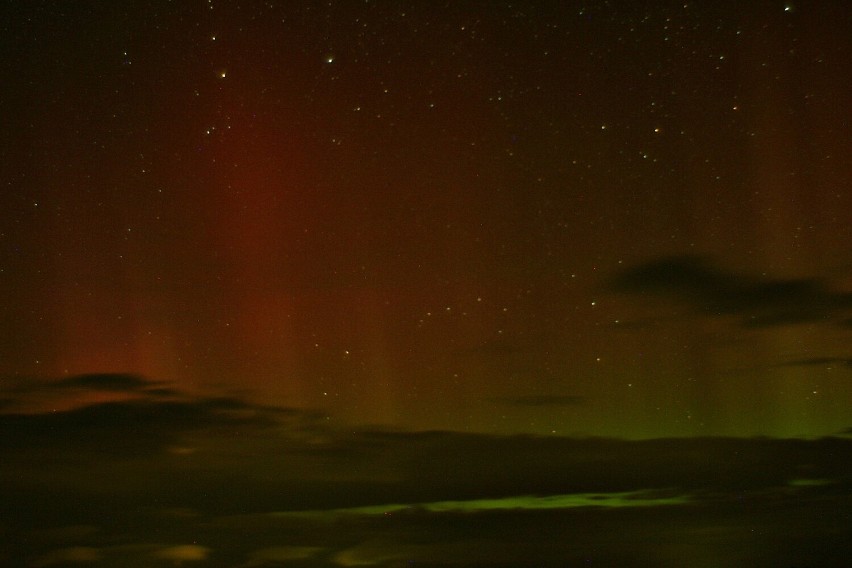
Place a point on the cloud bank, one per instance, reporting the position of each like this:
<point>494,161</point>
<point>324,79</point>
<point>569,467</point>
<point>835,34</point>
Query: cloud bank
<point>756,301</point>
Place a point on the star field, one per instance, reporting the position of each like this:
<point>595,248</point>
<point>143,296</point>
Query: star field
<point>558,218</point>
<point>419,283</point>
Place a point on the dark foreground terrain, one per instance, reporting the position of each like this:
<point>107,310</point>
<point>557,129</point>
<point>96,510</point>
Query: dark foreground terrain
<point>164,480</point>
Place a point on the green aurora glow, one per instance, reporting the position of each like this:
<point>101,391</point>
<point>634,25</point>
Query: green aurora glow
<point>521,502</point>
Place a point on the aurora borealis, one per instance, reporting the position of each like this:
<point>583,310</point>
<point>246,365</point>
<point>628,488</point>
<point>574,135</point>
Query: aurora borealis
<point>401,215</point>
<point>232,231</point>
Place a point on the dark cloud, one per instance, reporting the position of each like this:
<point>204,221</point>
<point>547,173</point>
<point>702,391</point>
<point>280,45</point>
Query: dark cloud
<point>131,426</point>
<point>118,382</point>
<point>758,301</point>
<point>541,400</point>
<point>33,395</point>
<point>161,391</point>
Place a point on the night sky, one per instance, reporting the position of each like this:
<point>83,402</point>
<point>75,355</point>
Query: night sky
<point>571,269</point>
<point>556,217</point>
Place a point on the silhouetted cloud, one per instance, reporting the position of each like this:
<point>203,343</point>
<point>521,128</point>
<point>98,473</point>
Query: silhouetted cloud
<point>130,426</point>
<point>105,382</point>
<point>758,301</point>
<point>33,395</point>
